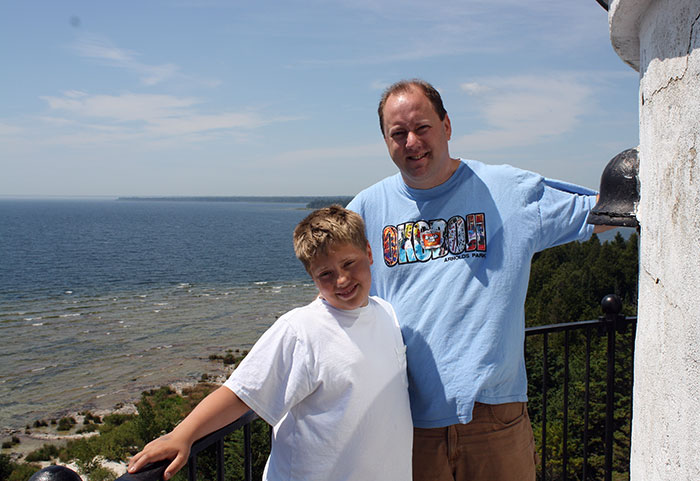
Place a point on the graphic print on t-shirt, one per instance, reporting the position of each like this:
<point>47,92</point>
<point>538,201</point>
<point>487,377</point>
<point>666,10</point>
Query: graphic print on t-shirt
<point>422,241</point>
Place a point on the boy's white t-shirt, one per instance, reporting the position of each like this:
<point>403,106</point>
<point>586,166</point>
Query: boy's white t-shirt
<point>333,384</point>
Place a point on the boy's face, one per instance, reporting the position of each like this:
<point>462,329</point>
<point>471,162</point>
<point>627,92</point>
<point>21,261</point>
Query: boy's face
<point>342,276</point>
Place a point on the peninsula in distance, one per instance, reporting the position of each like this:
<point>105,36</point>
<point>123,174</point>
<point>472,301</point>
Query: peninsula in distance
<point>312,202</point>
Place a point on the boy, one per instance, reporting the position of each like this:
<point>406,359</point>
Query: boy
<point>330,376</point>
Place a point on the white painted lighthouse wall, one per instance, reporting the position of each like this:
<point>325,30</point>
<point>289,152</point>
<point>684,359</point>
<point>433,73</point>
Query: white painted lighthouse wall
<point>666,417</point>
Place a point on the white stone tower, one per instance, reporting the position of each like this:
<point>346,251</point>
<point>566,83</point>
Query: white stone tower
<point>661,39</point>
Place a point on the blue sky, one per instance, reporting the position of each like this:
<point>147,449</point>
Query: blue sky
<point>279,97</point>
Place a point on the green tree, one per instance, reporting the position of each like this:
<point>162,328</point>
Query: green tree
<point>22,472</point>
<point>159,412</point>
<point>5,467</point>
<point>567,284</point>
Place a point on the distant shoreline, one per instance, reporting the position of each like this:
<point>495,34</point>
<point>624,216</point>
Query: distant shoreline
<point>311,201</point>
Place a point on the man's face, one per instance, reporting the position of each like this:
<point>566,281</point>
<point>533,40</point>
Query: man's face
<point>417,139</point>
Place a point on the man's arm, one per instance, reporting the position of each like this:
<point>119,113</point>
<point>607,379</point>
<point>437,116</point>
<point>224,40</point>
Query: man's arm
<point>220,408</point>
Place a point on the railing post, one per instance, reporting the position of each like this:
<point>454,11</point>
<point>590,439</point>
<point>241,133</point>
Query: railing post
<point>612,305</point>
<point>220,460</point>
<point>587,404</point>
<point>565,434</point>
<point>192,468</point>
<point>545,369</point>
<point>248,458</point>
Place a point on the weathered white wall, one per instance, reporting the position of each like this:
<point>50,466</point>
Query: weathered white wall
<point>664,35</point>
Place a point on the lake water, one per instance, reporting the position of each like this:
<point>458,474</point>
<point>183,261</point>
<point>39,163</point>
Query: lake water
<point>102,299</point>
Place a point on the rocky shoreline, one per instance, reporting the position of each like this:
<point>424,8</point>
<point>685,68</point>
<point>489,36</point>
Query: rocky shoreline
<point>21,442</point>
<point>34,438</point>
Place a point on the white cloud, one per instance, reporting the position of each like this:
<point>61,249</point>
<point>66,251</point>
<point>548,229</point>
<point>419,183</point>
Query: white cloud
<point>372,150</point>
<point>525,110</point>
<point>109,118</point>
<point>124,107</point>
<point>473,87</point>
<point>56,121</point>
<point>152,75</point>
<point>326,170</point>
<point>459,27</point>
<point>202,123</point>
<point>380,85</point>
<point>9,129</point>
<point>101,49</point>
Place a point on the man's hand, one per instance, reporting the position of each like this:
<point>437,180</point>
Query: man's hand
<point>602,228</point>
<point>598,229</point>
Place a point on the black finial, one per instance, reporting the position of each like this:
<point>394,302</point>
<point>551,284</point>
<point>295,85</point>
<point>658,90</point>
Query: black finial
<point>55,473</point>
<point>611,304</point>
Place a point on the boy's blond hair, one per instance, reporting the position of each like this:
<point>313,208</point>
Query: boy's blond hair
<point>325,228</point>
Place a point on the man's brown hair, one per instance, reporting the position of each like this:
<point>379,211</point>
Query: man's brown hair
<point>405,86</point>
<point>325,228</point>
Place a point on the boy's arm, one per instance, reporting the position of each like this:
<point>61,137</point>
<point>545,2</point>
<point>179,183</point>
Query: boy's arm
<point>220,408</point>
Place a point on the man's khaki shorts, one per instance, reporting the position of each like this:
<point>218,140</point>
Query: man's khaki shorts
<point>497,445</point>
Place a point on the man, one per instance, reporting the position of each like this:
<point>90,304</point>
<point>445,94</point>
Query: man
<point>456,238</point>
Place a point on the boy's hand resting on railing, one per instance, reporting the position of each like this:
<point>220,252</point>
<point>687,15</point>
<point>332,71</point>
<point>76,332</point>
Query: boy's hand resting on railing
<point>169,446</point>
<point>220,408</point>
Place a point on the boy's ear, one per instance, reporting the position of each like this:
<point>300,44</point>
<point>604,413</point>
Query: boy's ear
<point>369,253</point>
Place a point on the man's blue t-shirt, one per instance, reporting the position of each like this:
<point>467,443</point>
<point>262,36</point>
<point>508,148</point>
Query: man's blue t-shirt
<point>455,261</point>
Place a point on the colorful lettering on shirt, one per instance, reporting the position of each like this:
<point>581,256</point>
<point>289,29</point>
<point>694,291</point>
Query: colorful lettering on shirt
<point>422,241</point>
<point>391,247</point>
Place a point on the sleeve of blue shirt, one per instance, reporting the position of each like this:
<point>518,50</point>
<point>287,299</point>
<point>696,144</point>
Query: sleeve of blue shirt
<point>563,209</point>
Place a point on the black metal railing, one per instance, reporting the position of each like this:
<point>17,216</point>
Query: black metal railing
<point>605,327</point>
<point>217,439</point>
